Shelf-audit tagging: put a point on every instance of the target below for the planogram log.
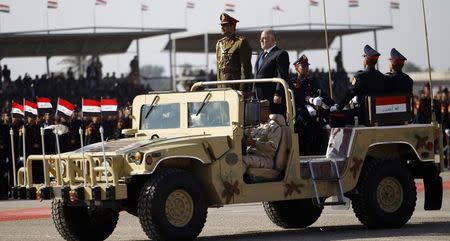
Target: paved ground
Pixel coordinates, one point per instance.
(29, 220)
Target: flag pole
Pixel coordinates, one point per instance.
(433, 115)
(349, 13)
(185, 16)
(48, 25)
(271, 18)
(24, 152)
(95, 28)
(105, 166)
(328, 49)
(142, 19)
(13, 154)
(59, 155)
(309, 15)
(80, 132)
(391, 15)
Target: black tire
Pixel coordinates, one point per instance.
(293, 213)
(153, 200)
(81, 223)
(388, 207)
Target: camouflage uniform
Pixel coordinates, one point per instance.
(267, 138)
(233, 56)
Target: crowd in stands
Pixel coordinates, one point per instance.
(93, 84)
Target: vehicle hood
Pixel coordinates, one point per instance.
(122, 146)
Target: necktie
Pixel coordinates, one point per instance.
(261, 60)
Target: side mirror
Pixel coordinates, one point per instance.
(129, 132)
(251, 113)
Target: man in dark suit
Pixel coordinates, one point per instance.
(271, 63)
(397, 81)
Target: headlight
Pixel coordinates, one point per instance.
(136, 157)
(107, 164)
(63, 168)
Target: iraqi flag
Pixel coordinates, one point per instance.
(190, 5)
(390, 104)
(313, 3)
(229, 7)
(65, 107)
(44, 105)
(90, 107)
(4, 8)
(353, 3)
(52, 4)
(17, 109)
(100, 2)
(277, 8)
(395, 5)
(109, 106)
(30, 108)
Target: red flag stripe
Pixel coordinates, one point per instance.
(390, 100)
(30, 104)
(91, 102)
(108, 102)
(66, 104)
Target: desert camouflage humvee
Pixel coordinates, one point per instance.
(185, 155)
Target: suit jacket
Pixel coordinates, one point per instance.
(275, 64)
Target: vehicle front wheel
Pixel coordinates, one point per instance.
(293, 213)
(386, 194)
(82, 223)
(172, 206)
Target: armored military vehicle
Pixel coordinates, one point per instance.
(184, 154)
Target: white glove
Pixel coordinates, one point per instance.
(309, 99)
(317, 101)
(334, 108)
(312, 112)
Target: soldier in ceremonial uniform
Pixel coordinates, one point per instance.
(262, 141)
(74, 125)
(5, 157)
(397, 81)
(233, 54)
(308, 100)
(424, 111)
(367, 82)
(32, 147)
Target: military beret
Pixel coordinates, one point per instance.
(369, 52)
(225, 18)
(264, 103)
(303, 61)
(397, 56)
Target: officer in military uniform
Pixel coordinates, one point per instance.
(233, 54)
(262, 141)
(397, 81)
(308, 100)
(367, 82)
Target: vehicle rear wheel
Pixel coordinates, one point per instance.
(172, 206)
(293, 213)
(82, 223)
(386, 194)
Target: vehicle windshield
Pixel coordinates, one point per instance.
(213, 114)
(164, 116)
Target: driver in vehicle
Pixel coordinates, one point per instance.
(262, 141)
